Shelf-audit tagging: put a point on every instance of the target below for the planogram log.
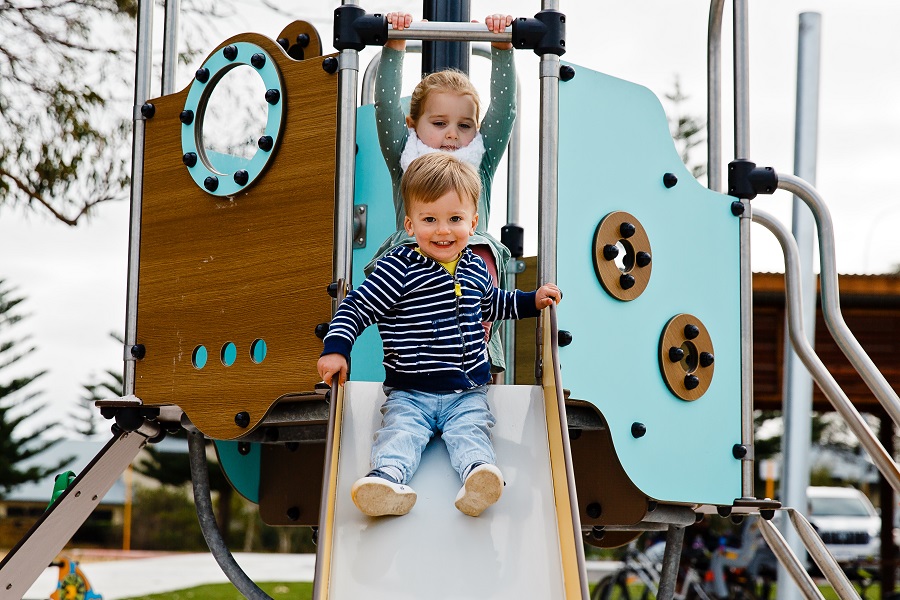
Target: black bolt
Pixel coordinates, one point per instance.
(626, 230)
(597, 532)
(594, 510)
(706, 359)
(186, 117)
(574, 434)
(211, 183)
(332, 289)
(293, 513)
(698, 517)
(669, 180)
(739, 451)
(691, 381)
(202, 75)
(564, 338)
(626, 281)
(767, 513)
(292, 446)
(258, 60)
(148, 110)
(691, 331)
(229, 52)
(737, 519)
(642, 259)
(243, 448)
(610, 251)
(330, 65)
(303, 40)
(566, 73)
(284, 43)
(241, 177)
(638, 429)
(138, 351)
(651, 505)
(273, 96)
(271, 434)
(242, 419)
(676, 354)
(189, 159)
(737, 208)
(265, 143)
(723, 511)
(321, 330)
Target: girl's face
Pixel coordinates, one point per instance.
(447, 121)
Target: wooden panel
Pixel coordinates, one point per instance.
(290, 486)
(253, 266)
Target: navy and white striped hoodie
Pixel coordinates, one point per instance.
(433, 339)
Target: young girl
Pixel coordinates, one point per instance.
(444, 116)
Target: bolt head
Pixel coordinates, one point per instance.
(303, 40)
(258, 60)
(626, 281)
(626, 230)
(739, 451)
(202, 75)
(706, 359)
(230, 52)
(593, 510)
(148, 110)
(243, 448)
(691, 381)
(211, 183)
(330, 65)
(642, 259)
(321, 330)
(638, 430)
(691, 331)
(273, 96)
(284, 43)
(242, 419)
(564, 338)
(265, 143)
(610, 251)
(186, 117)
(241, 177)
(189, 159)
(737, 208)
(669, 180)
(676, 354)
(566, 73)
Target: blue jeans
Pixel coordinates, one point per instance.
(411, 418)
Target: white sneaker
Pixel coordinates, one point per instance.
(377, 495)
(482, 488)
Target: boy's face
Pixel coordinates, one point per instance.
(447, 121)
(442, 228)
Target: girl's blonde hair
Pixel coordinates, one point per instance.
(431, 176)
(448, 81)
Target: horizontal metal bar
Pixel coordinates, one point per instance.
(462, 32)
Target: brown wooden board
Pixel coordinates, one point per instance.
(252, 266)
(290, 485)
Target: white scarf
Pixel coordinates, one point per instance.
(415, 148)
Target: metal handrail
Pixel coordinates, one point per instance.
(822, 557)
(790, 561)
(831, 309)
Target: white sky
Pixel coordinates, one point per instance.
(75, 279)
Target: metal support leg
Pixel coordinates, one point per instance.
(790, 561)
(671, 558)
(28, 559)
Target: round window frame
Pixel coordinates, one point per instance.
(198, 96)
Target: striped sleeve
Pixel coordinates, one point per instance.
(500, 304)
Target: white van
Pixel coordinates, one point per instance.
(846, 521)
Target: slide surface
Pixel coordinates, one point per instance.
(511, 551)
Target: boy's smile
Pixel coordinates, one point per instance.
(448, 121)
(442, 228)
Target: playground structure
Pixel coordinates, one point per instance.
(227, 298)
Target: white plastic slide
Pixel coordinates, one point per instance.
(513, 550)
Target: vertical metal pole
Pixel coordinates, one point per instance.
(143, 64)
(440, 55)
(714, 97)
(170, 46)
(797, 385)
(671, 558)
(513, 170)
(742, 150)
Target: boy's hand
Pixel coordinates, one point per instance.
(497, 24)
(399, 21)
(331, 365)
(545, 296)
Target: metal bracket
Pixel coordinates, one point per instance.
(514, 267)
(360, 220)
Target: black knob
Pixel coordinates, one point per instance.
(739, 451)
(638, 429)
(303, 40)
(229, 52)
(564, 338)
(691, 381)
(737, 208)
(138, 351)
(265, 143)
(610, 251)
(642, 259)
(723, 511)
(293, 513)
(594, 510)
(330, 65)
(211, 183)
(626, 230)
(669, 180)
(273, 96)
(597, 533)
(148, 110)
(258, 60)
(676, 354)
(186, 117)
(566, 73)
(706, 359)
(242, 419)
(284, 43)
(691, 331)
(332, 289)
(321, 330)
(241, 177)
(243, 448)
(202, 75)
(189, 159)
(626, 281)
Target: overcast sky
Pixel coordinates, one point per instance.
(75, 279)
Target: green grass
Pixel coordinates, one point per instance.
(225, 591)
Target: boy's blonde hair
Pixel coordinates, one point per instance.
(448, 81)
(431, 176)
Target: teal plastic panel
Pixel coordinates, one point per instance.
(615, 148)
(242, 470)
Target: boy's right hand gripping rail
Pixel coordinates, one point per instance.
(354, 30)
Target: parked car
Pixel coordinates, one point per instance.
(846, 521)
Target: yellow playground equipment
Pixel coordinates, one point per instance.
(238, 261)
